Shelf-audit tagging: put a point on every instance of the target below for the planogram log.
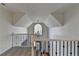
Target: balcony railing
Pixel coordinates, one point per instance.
(58, 47)
(54, 47)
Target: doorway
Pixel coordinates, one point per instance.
(38, 47)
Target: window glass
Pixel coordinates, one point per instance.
(38, 29)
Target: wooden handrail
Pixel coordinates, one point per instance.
(53, 40)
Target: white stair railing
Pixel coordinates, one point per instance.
(61, 47)
(20, 40)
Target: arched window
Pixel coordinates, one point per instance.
(38, 29)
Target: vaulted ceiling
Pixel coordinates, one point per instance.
(26, 13)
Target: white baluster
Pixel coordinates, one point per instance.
(50, 48)
(57, 48)
(76, 47)
(54, 48)
(65, 48)
(61, 48)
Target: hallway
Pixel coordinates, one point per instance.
(55, 25)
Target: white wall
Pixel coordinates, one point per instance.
(71, 28)
(5, 29)
(19, 30)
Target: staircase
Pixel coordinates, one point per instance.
(24, 43)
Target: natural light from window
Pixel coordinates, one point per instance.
(38, 29)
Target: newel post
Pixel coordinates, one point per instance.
(32, 44)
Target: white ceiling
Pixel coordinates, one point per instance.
(35, 11)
